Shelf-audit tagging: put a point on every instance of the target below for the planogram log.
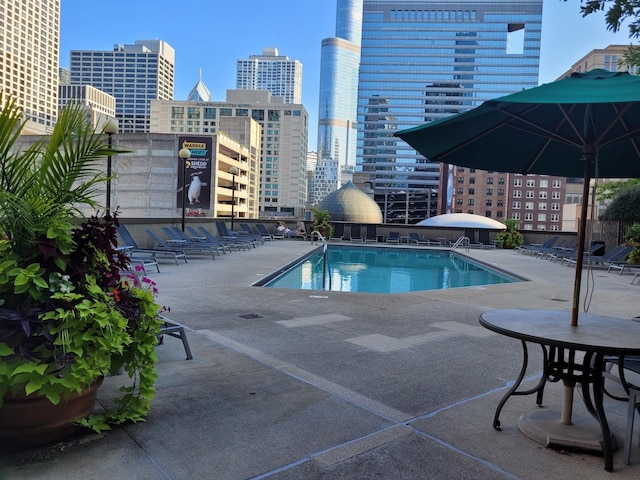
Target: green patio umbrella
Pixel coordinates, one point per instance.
(586, 125)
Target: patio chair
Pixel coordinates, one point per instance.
(175, 330)
(414, 237)
(371, 234)
(355, 235)
(144, 254)
(246, 232)
(181, 247)
(618, 370)
(393, 237)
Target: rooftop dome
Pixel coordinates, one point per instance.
(350, 204)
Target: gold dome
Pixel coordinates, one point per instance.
(350, 204)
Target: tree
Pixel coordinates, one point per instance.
(618, 12)
(625, 206)
(610, 190)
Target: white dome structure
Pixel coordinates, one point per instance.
(462, 220)
(350, 204)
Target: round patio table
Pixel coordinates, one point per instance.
(573, 355)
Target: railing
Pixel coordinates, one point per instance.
(461, 242)
(318, 236)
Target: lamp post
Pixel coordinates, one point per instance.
(110, 128)
(233, 171)
(184, 155)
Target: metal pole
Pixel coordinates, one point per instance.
(233, 199)
(184, 188)
(109, 144)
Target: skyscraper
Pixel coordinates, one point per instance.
(275, 73)
(133, 74)
(423, 60)
(29, 58)
(338, 99)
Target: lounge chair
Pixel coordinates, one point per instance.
(393, 237)
(143, 254)
(264, 233)
(371, 234)
(414, 237)
(532, 248)
(181, 247)
(246, 232)
(229, 243)
(620, 263)
(571, 258)
(355, 235)
(176, 234)
(232, 236)
(338, 232)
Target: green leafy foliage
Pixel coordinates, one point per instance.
(510, 237)
(625, 206)
(321, 222)
(67, 317)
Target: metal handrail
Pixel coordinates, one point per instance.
(319, 235)
(462, 241)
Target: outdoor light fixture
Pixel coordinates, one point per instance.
(109, 128)
(233, 171)
(184, 155)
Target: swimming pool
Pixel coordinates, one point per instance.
(384, 270)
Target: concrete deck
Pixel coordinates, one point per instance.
(289, 384)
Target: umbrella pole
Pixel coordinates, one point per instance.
(582, 227)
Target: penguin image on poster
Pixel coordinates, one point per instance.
(195, 187)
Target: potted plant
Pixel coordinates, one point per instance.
(67, 318)
(511, 237)
(321, 222)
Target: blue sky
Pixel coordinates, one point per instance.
(212, 35)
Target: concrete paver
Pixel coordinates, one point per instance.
(289, 384)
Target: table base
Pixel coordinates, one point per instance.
(545, 427)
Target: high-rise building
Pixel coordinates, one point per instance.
(283, 175)
(100, 106)
(338, 99)
(133, 74)
(200, 92)
(424, 60)
(29, 59)
(277, 74)
(606, 58)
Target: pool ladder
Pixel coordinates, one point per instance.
(461, 242)
(324, 258)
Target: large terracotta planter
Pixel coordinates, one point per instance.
(29, 421)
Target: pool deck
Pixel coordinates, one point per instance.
(290, 384)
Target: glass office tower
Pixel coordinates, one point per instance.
(337, 109)
(425, 60)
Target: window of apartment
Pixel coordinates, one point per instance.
(517, 194)
(516, 205)
(528, 205)
(501, 192)
(528, 217)
(490, 181)
(542, 217)
(530, 193)
(472, 180)
(499, 214)
(460, 169)
(528, 226)
(555, 217)
(460, 179)
(487, 213)
(458, 201)
(459, 191)
(542, 206)
(488, 202)
(515, 215)
(472, 191)
(544, 183)
(501, 181)
(531, 182)
(470, 202)
(555, 195)
(555, 228)
(517, 182)
(555, 206)
(542, 194)
(489, 191)
(556, 184)
(500, 203)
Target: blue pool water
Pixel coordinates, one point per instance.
(384, 270)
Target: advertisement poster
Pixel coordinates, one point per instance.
(197, 175)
